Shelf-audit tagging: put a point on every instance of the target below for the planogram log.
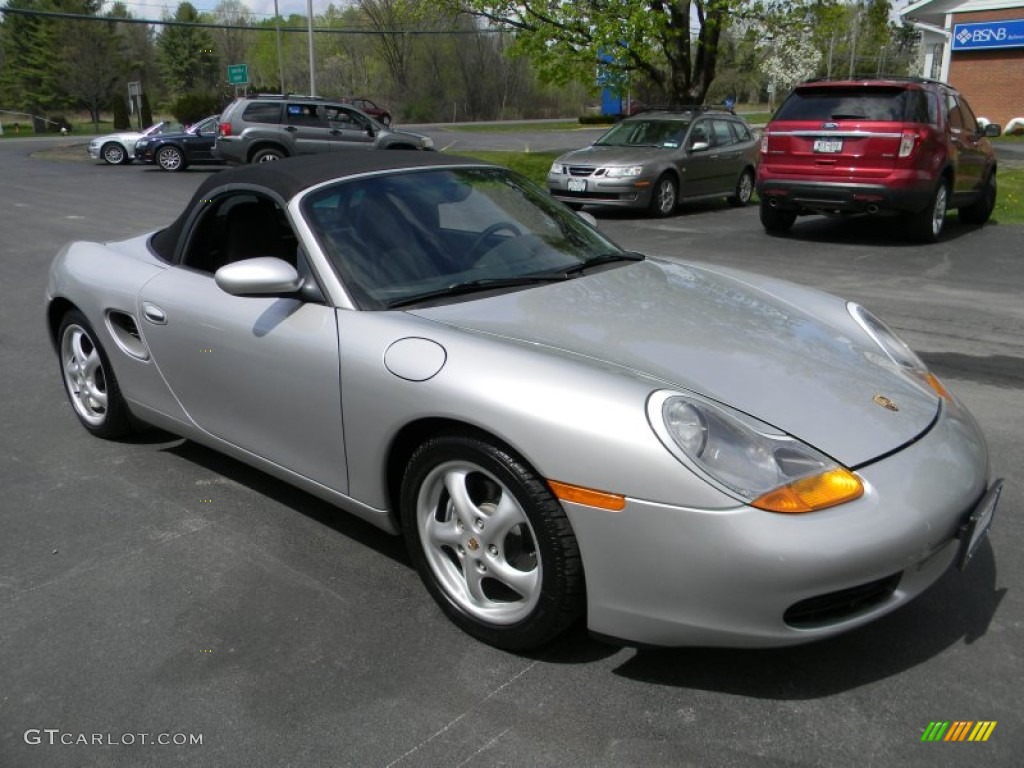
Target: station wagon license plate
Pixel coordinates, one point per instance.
(830, 146)
(577, 185)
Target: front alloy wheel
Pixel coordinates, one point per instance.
(664, 196)
(88, 379)
(114, 154)
(170, 159)
(491, 543)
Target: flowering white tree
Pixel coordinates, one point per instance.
(788, 57)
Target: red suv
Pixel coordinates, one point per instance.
(908, 147)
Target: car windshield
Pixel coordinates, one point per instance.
(645, 133)
(165, 127)
(431, 235)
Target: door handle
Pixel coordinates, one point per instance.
(153, 313)
(291, 128)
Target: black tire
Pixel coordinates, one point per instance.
(744, 189)
(981, 209)
(267, 155)
(89, 381)
(774, 220)
(664, 196)
(501, 560)
(926, 226)
(113, 153)
(170, 158)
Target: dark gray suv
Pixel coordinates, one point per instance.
(257, 129)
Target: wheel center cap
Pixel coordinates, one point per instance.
(473, 544)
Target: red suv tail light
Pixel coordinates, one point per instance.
(908, 142)
(224, 129)
(764, 142)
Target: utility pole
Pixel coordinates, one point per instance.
(312, 65)
(280, 58)
(853, 44)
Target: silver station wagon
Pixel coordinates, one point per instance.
(657, 159)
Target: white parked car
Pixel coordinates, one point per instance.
(119, 148)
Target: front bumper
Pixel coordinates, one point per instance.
(626, 192)
(671, 576)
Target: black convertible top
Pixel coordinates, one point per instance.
(286, 178)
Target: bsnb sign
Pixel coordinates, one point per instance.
(989, 34)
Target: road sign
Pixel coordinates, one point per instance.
(238, 74)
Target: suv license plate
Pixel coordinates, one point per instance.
(973, 531)
(830, 146)
(577, 185)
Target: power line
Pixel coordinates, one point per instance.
(245, 28)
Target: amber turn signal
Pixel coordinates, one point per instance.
(579, 495)
(808, 494)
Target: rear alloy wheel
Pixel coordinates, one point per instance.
(744, 190)
(981, 209)
(88, 379)
(268, 155)
(114, 154)
(664, 196)
(491, 543)
(774, 220)
(927, 225)
(170, 159)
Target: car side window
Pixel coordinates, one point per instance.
(304, 114)
(953, 116)
(262, 112)
(700, 133)
(740, 130)
(723, 136)
(969, 120)
(237, 226)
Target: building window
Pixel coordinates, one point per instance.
(936, 73)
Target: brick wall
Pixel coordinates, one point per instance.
(992, 81)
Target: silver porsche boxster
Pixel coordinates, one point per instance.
(681, 454)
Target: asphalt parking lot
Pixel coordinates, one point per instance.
(153, 588)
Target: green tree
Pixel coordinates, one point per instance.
(649, 39)
(90, 70)
(186, 54)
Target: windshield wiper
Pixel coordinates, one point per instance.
(597, 261)
(483, 284)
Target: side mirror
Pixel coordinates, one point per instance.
(992, 130)
(699, 146)
(262, 276)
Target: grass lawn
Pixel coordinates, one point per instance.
(535, 165)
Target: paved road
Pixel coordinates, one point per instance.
(152, 586)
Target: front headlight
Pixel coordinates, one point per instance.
(902, 356)
(618, 173)
(427, 143)
(141, 144)
(557, 169)
(748, 459)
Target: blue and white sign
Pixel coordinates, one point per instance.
(986, 35)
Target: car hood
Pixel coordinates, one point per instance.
(596, 155)
(127, 136)
(725, 338)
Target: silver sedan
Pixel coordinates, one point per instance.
(560, 429)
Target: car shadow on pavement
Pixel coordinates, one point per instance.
(958, 608)
(293, 498)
